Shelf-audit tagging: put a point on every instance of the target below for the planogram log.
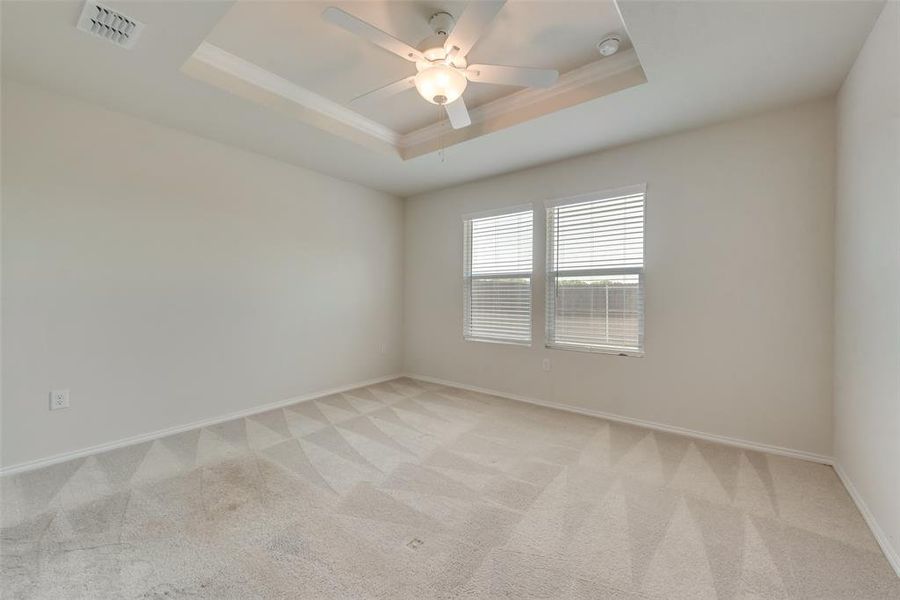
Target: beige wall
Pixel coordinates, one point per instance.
(739, 233)
(867, 279)
(163, 278)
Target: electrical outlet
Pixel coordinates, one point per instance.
(384, 348)
(59, 399)
(546, 364)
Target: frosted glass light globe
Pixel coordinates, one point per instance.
(440, 84)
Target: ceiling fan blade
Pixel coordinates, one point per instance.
(458, 114)
(475, 19)
(359, 27)
(522, 76)
(388, 90)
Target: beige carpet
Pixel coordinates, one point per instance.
(412, 490)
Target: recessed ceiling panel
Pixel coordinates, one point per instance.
(292, 40)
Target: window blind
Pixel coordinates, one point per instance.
(498, 265)
(595, 273)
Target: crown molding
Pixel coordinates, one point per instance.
(222, 69)
(574, 80)
(249, 72)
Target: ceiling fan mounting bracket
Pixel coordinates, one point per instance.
(441, 22)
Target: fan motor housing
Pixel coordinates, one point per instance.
(433, 46)
(433, 49)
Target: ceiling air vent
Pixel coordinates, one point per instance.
(106, 23)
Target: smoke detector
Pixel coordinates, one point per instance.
(111, 25)
(609, 45)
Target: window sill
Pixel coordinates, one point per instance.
(598, 350)
(501, 342)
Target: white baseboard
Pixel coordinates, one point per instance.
(160, 433)
(891, 553)
(712, 437)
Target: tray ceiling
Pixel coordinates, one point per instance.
(283, 53)
(704, 63)
(291, 40)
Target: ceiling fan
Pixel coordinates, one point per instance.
(440, 59)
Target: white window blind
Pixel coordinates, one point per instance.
(595, 273)
(498, 264)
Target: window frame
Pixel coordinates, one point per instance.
(468, 277)
(551, 275)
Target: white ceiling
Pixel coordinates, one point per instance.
(704, 61)
(291, 40)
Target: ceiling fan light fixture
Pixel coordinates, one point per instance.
(440, 84)
(441, 59)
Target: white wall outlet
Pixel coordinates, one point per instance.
(59, 399)
(384, 348)
(546, 364)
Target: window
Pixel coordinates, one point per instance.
(498, 259)
(595, 272)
